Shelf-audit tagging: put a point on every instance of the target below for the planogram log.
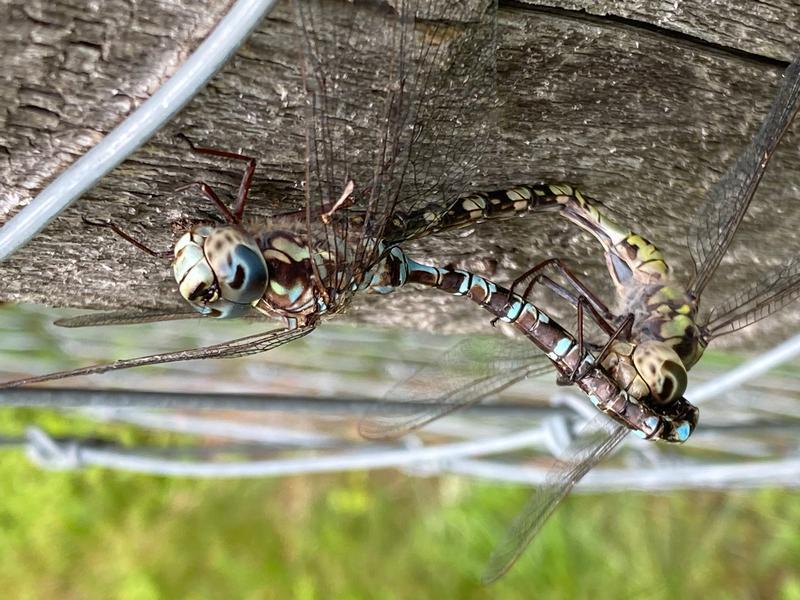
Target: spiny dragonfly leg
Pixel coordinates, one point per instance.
(326, 210)
(344, 201)
(235, 215)
(128, 238)
(623, 331)
(211, 195)
(560, 267)
(538, 276)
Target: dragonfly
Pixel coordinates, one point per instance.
(368, 154)
(657, 336)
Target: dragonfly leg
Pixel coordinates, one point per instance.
(128, 238)
(538, 276)
(558, 265)
(211, 195)
(623, 331)
(344, 201)
(235, 215)
(326, 211)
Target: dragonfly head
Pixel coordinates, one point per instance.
(220, 270)
(662, 370)
(653, 377)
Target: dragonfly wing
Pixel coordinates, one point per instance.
(717, 219)
(467, 373)
(138, 316)
(757, 301)
(344, 44)
(126, 317)
(560, 481)
(253, 344)
(449, 144)
(419, 69)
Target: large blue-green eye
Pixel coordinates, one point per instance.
(243, 278)
(220, 272)
(238, 265)
(222, 309)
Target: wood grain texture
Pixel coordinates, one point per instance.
(73, 70)
(768, 29)
(642, 110)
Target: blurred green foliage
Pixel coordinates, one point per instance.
(103, 534)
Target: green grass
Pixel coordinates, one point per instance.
(105, 534)
(101, 534)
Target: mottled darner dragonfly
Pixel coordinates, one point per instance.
(311, 263)
(406, 139)
(656, 337)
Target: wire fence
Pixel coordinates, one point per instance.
(748, 436)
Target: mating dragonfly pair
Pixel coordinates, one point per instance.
(306, 266)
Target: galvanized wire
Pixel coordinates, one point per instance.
(756, 430)
(231, 31)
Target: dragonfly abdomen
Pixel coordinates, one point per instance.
(632, 259)
(675, 423)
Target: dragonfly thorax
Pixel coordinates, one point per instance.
(649, 371)
(220, 271)
(297, 272)
(666, 313)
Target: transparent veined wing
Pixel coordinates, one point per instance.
(456, 107)
(718, 218)
(467, 373)
(138, 316)
(127, 317)
(755, 302)
(587, 452)
(370, 151)
(252, 344)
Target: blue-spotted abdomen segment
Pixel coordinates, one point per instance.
(669, 429)
(682, 431)
(561, 348)
(391, 272)
(514, 308)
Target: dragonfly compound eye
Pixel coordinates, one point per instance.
(220, 272)
(662, 370)
(195, 278)
(238, 265)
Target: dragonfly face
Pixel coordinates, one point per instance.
(662, 370)
(220, 270)
(649, 371)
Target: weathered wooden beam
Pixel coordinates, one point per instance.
(641, 103)
(765, 29)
